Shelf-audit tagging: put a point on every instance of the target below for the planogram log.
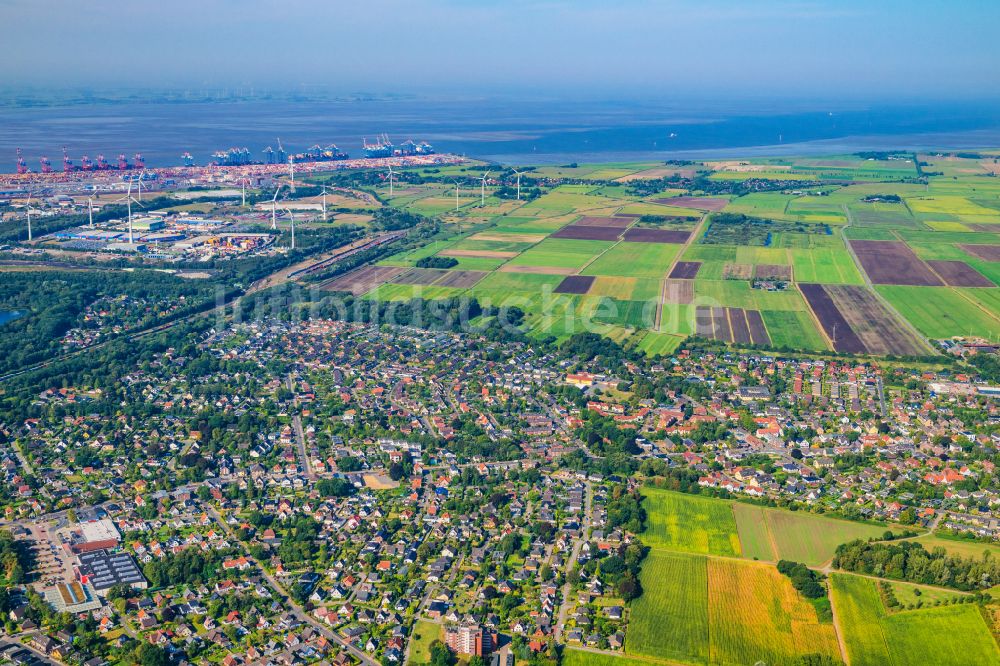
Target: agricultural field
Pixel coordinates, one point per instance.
(945, 635)
(703, 610)
(689, 523)
(869, 264)
(775, 534)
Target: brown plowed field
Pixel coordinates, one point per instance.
(588, 233)
(737, 271)
(832, 320)
(618, 222)
(758, 332)
(462, 279)
(986, 252)
(738, 322)
(893, 262)
(575, 284)
(698, 203)
(363, 279)
(775, 271)
(646, 235)
(685, 270)
(680, 292)
(959, 274)
(420, 276)
(879, 330)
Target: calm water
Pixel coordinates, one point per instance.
(8, 316)
(509, 131)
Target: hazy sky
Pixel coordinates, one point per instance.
(834, 48)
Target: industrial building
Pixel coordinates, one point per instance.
(94, 535)
(103, 569)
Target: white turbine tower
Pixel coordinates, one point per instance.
(128, 199)
(324, 202)
(457, 185)
(391, 174)
(291, 171)
(291, 216)
(139, 182)
(274, 207)
(90, 210)
(243, 182)
(518, 182)
(27, 211)
(482, 191)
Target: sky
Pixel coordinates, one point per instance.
(872, 49)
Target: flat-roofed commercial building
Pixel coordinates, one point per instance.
(103, 570)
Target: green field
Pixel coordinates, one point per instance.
(825, 265)
(689, 523)
(561, 253)
(701, 610)
(670, 619)
(940, 312)
(775, 534)
(942, 635)
(424, 633)
(808, 231)
(649, 260)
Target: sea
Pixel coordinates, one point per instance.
(505, 130)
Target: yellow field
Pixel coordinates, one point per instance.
(756, 615)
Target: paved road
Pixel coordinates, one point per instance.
(300, 436)
(295, 608)
(574, 555)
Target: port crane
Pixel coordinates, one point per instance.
(22, 166)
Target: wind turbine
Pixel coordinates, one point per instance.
(243, 182)
(291, 171)
(90, 209)
(324, 202)
(391, 174)
(274, 207)
(291, 216)
(457, 184)
(128, 199)
(518, 182)
(139, 182)
(27, 210)
(482, 191)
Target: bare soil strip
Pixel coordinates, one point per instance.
(646, 235)
(420, 276)
(773, 272)
(685, 270)
(364, 279)
(738, 322)
(985, 252)
(959, 274)
(462, 279)
(838, 330)
(893, 262)
(879, 331)
(758, 332)
(679, 292)
(575, 284)
(588, 233)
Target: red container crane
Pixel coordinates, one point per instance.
(46, 164)
(22, 166)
